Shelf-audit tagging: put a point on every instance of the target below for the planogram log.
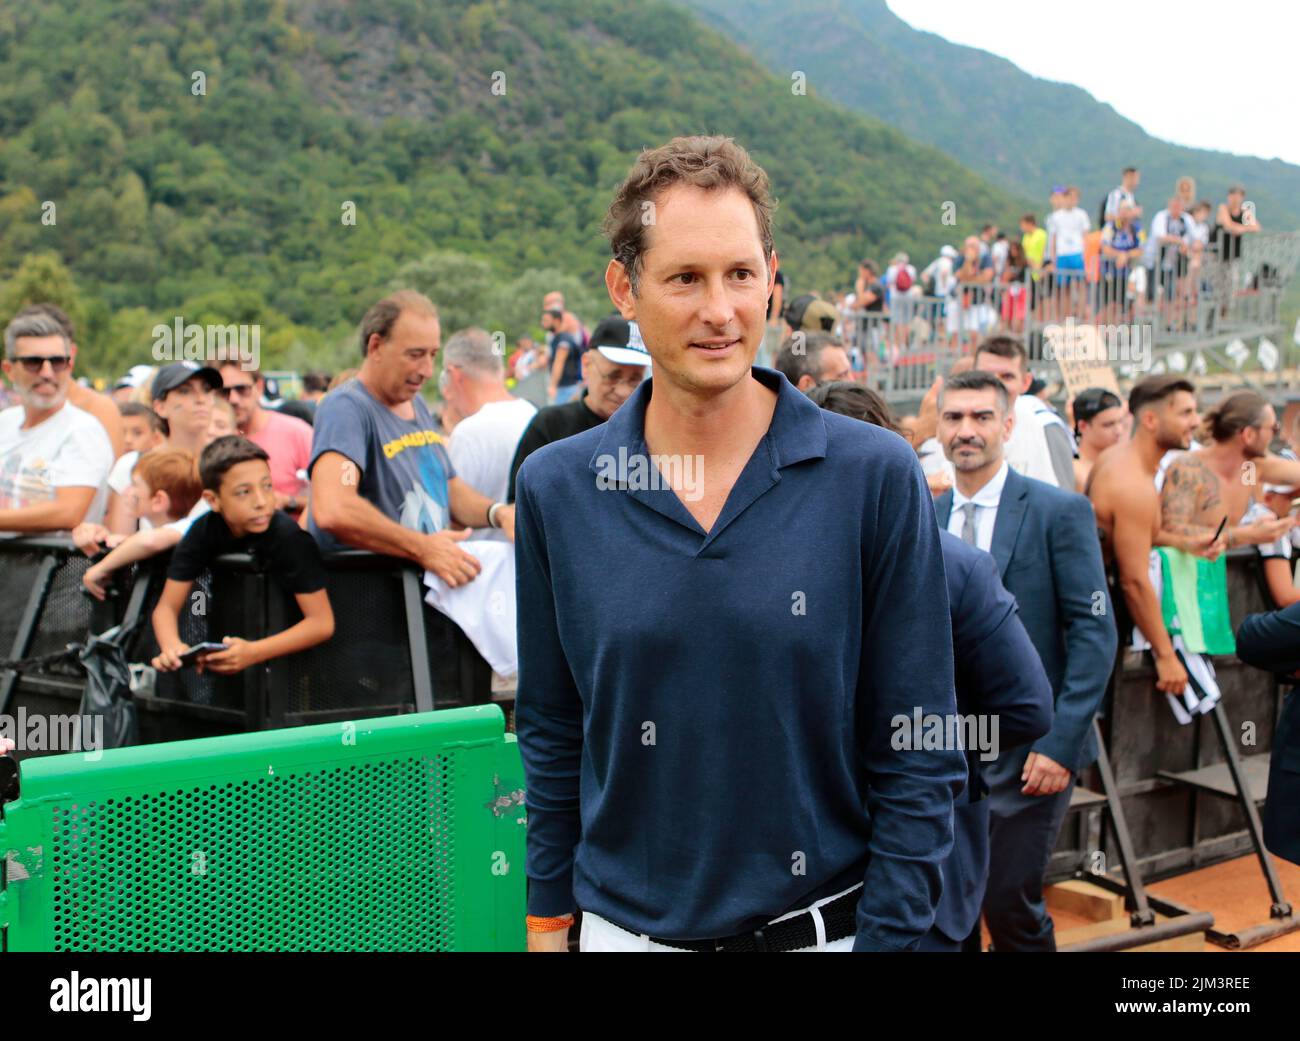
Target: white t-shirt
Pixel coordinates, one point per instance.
(1067, 228)
(69, 450)
(482, 447)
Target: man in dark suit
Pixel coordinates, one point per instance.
(1044, 542)
(997, 674)
(1272, 641)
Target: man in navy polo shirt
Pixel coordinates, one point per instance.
(730, 611)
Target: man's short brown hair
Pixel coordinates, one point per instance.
(1004, 347)
(1154, 389)
(705, 162)
(383, 314)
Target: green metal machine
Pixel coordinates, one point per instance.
(404, 833)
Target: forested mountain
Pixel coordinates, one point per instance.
(200, 159)
(1021, 132)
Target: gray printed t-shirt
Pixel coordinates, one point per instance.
(404, 463)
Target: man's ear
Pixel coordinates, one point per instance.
(210, 497)
(161, 503)
(1010, 420)
(773, 265)
(1027, 379)
(805, 384)
(620, 289)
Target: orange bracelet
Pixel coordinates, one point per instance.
(548, 925)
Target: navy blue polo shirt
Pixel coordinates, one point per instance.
(708, 720)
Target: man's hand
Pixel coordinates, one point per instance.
(238, 655)
(1171, 677)
(94, 580)
(1043, 776)
(90, 538)
(1263, 531)
(1207, 545)
(556, 942)
(448, 561)
(169, 660)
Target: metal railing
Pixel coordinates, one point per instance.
(1191, 305)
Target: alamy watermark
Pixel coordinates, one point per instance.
(1083, 342)
(189, 341)
(929, 731)
(644, 473)
(42, 732)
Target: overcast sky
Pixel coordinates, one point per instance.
(1158, 63)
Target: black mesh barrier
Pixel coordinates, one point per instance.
(364, 669)
(390, 652)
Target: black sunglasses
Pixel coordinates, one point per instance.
(33, 363)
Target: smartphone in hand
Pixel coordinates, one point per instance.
(198, 651)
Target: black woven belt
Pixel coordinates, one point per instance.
(793, 934)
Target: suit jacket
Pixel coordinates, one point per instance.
(1046, 550)
(1272, 641)
(998, 674)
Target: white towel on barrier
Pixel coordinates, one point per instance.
(485, 607)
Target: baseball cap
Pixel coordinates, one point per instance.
(808, 314)
(620, 341)
(949, 252)
(172, 376)
(1089, 403)
(138, 375)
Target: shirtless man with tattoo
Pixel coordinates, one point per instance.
(1122, 487)
(1202, 487)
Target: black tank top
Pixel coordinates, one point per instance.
(1228, 244)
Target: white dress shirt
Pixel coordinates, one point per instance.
(986, 509)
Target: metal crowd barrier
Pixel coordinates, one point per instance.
(396, 834)
(390, 652)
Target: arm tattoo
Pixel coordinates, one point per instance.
(1190, 490)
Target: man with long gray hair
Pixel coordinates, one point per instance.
(54, 457)
(483, 444)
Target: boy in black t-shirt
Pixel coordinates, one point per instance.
(236, 480)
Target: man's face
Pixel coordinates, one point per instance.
(1132, 179)
(243, 392)
(33, 373)
(1175, 207)
(972, 428)
(1104, 429)
(246, 499)
(138, 434)
(1007, 370)
(1176, 420)
(835, 365)
(703, 289)
(403, 363)
(608, 384)
(1255, 440)
(187, 408)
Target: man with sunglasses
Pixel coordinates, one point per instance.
(286, 440)
(612, 368)
(54, 457)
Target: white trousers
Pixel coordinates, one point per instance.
(600, 934)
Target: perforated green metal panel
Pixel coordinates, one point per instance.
(403, 833)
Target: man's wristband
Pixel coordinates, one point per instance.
(548, 925)
(491, 514)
